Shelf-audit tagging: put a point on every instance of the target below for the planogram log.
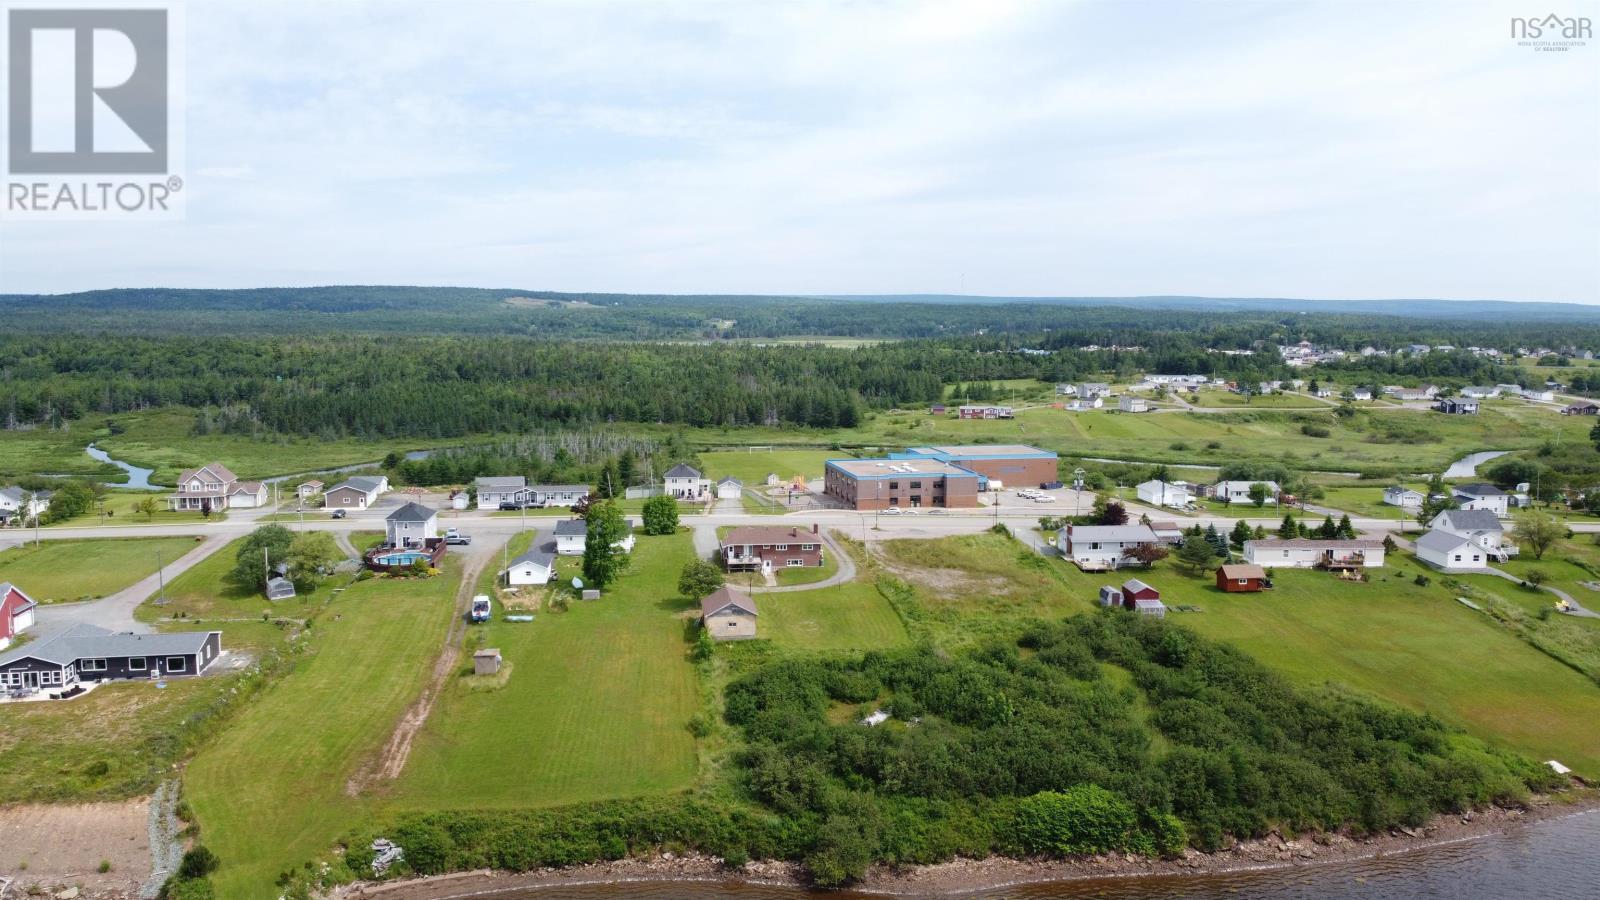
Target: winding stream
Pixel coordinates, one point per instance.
(138, 479)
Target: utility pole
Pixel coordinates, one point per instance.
(161, 577)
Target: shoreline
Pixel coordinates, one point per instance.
(964, 876)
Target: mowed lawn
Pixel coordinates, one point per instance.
(1411, 645)
(852, 616)
(597, 704)
(753, 467)
(269, 792)
(57, 571)
(204, 592)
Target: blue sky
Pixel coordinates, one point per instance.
(1345, 149)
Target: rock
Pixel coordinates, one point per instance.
(70, 893)
(1306, 854)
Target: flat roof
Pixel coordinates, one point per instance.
(899, 468)
(979, 451)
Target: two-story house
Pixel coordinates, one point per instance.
(215, 488)
(768, 547)
(686, 483)
(23, 506)
(1095, 548)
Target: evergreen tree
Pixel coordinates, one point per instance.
(1241, 533)
(1196, 553)
(1288, 530)
(1347, 529)
(603, 561)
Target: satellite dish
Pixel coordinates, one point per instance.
(577, 583)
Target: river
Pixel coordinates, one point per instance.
(138, 479)
(1555, 859)
(1467, 466)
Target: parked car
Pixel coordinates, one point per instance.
(892, 511)
(508, 505)
(459, 540)
(338, 514)
(1053, 486)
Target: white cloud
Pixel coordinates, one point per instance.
(1290, 149)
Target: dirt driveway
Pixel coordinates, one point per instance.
(63, 846)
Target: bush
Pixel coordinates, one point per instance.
(177, 888)
(1084, 819)
(1316, 431)
(660, 515)
(1422, 580)
(428, 847)
(198, 863)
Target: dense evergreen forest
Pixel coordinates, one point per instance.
(447, 362)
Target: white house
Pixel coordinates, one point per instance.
(730, 489)
(1480, 392)
(557, 494)
(215, 488)
(1480, 526)
(1133, 404)
(1548, 396)
(1451, 552)
(1066, 390)
(1308, 553)
(573, 534)
(1361, 393)
(11, 504)
(1093, 389)
(686, 483)
(356, 492)
(1098, 547)
(493, 491)
(1238, 492)
(411, 525)
(533, 567)
(309, 488)
(1081, 405)
(1165, 493)
(1403, 497)
(1478, 495)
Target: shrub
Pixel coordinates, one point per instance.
(427, 847)
(1084, 819)
(1316, 431)
(1422, 580)
(198, 863)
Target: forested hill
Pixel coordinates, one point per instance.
(582, 316)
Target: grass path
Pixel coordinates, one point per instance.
(269, 793)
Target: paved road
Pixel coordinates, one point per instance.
(1577, 609)
(116, 611)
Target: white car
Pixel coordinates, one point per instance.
(892, 511)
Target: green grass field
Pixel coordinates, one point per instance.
(119, 509)
(853, 616)
(269, 793)
(58, 571)
(596, 706)
(753, 466)
(204, 593)
(1256, 401)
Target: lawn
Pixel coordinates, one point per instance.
(269, 793)
(596, 706)
(1256, 401)
(57, 571)
(119, 509)
(852, 616)
(204, 593)
(753, 466)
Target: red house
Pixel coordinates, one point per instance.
(767, 547)
(16, 612)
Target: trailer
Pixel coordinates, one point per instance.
(480, 609)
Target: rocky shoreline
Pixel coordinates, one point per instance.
(964, 875)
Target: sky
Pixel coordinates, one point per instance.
(1285, 149)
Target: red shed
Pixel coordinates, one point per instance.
(1241, 578)
(1133, 589)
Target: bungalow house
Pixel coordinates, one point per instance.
(1081, 405)
(12, 504)
(1133, 404)
(1360, 393)
(1480, 392)
(1310, 553)
(1586, 408)
(412, 525)
(1066, 390)
(1422, 393)
(309, 488)
(1165, 493)
(534, 567)
(497, 490)
(985, 411)
(573, 534)
(729, 615)
(1095, 548)
(686, 483)
(1167, 532)
(1480, 526)
(1544, 395)
(1403, 497)
(1451, 552)
(215, 488)
(937, 409)
(1089, 389)
(89, 653)
(1238, 492)
(356, 492)
(16, 613)
(557, 494)
(1241, 578)
(768, 547)
(1509, 389)
(1455, 407)
(1478, 495)
(730, 489)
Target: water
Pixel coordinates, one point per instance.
(1557, 859)
(1467, 466)
(138, 479)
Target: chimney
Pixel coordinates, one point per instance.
(813, 528)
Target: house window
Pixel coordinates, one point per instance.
(1458, 557)
(808, 546)
(794, 563)
(781, 547)
(177, 664)
(92, 665)
(894, 485)
(916, 484)
(138, 664)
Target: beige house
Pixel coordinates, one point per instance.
(729, 615)
(215, 488)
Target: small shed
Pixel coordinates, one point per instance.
(1110, 596)
(729, 615)
(1134, 589)
(1149, 607)
(1241, 578)
(486, 662)
(280, 588)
